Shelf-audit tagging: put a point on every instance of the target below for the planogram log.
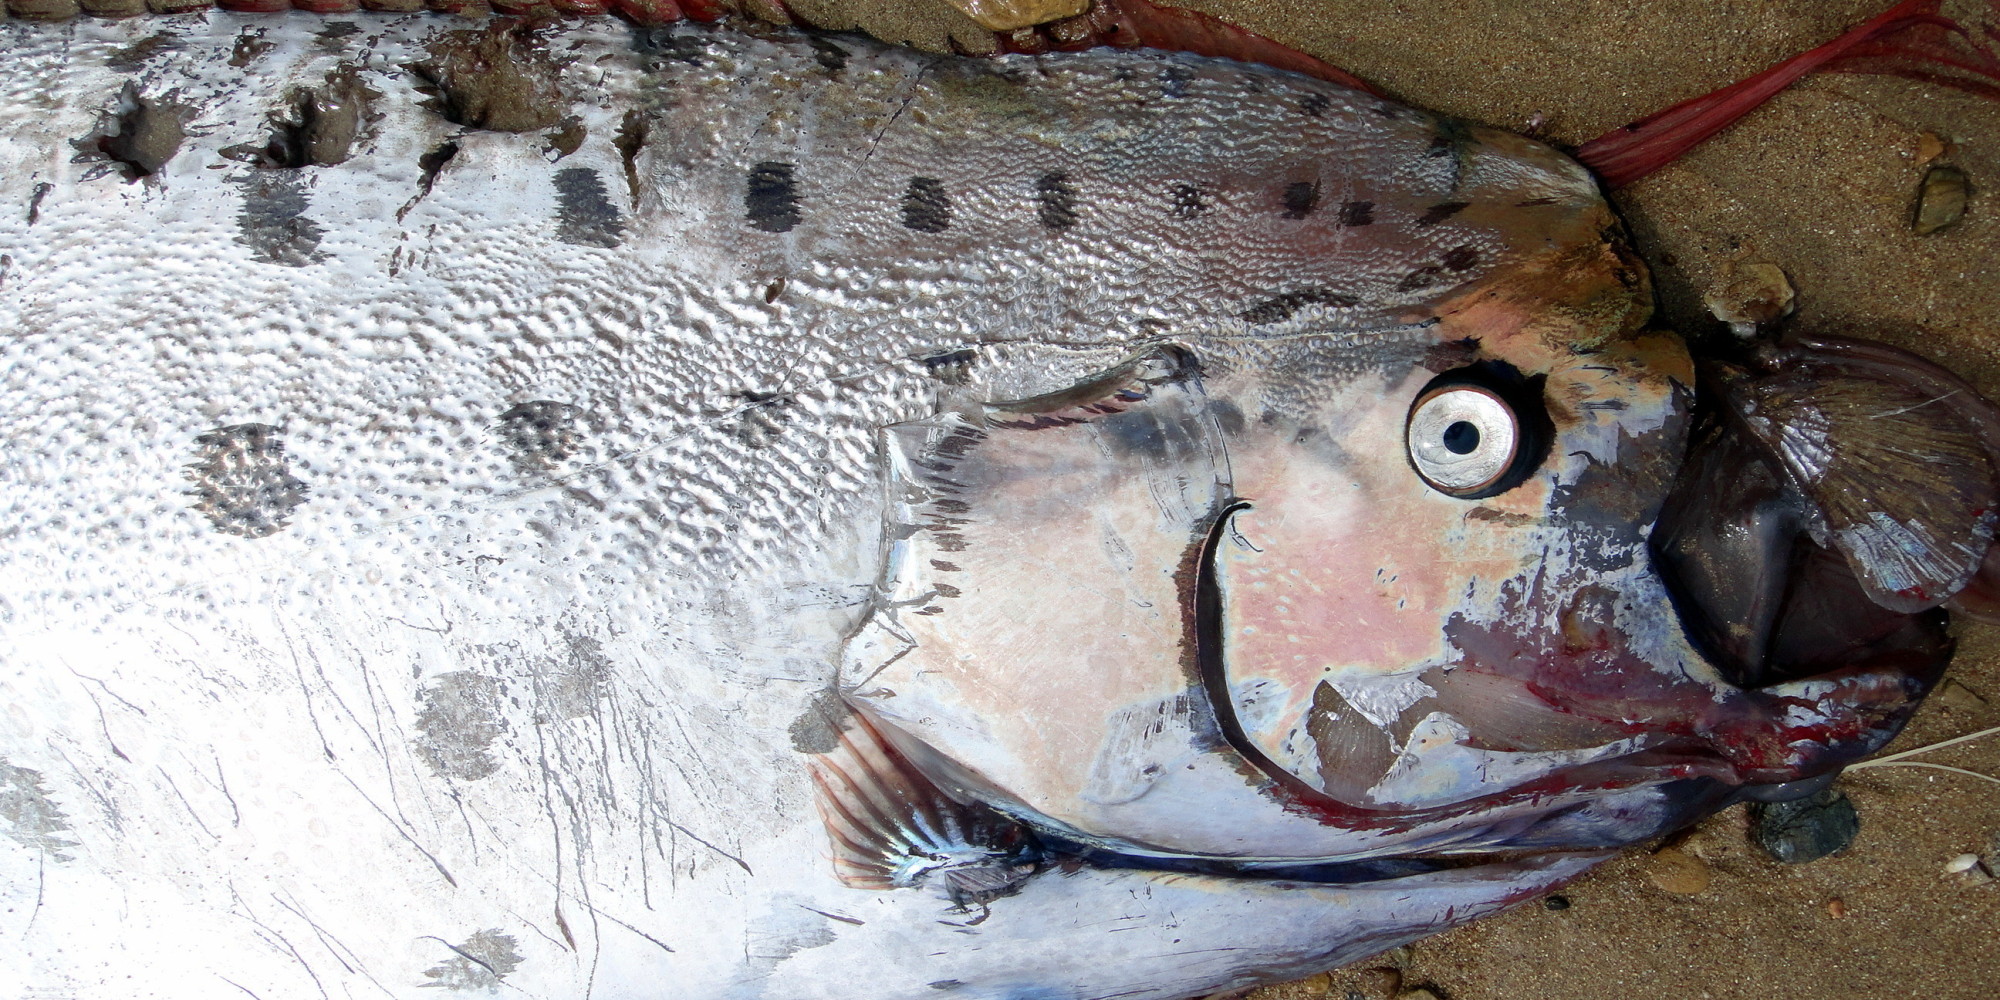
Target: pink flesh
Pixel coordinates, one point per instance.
(1910, 39)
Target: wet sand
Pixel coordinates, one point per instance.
(1820, 182)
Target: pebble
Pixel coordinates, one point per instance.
(1556, 903)
(1678, 872)
(1752, 294)
(1962, 863)
(1382, 982)
(1804, 829)
(1941, 199)
(1836, 908)
(1929, 147)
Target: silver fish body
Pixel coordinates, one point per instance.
(443, 556)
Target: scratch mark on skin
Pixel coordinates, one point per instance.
(341, 952)
(104, 723)
(189, 806)
(276, 940)
(103, 800)
(856, 921)
(107, 690)
(239, 986)
(220, 784)
(662, 944)
(690, 835)
(41, 884)
(432, 858)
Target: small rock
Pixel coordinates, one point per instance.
(1556, 903)
(1678, 872)
(1752, 294)
(1929, 147)
(1941, 199)
(1958, 697)
(1804, 829)
(1962, 863)
(1381, 982)
(1836, 908)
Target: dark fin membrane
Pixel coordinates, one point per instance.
(1910, 40)
(893, 828)
(1141, 24)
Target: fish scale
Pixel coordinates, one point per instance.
(444, 562)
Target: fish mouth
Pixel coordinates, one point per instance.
(1837, 496)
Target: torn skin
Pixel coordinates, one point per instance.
(1910, 39)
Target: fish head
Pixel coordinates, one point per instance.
(1513, 572)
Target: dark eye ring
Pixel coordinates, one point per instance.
(1470, 436)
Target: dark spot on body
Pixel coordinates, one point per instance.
(631, 138)
(429, 166)
(140, 134)
(272, 222)
(1315, 105)
(242, 482)
(331, 33)
(945, 984)
(566, 139)
(1357, 213)
(926, 206)
(951, 367)
(459, 721)
(771, 197)
(318, 126)
(1189, 201)
(540, 434)
(1385, 111)
(1055, 201)
(831, 57)
(250, 45)
(134, 57)
(35, 201)
(1228, 416)
(1460, 258)
(1422, 277)
(499, 77)
(1174, 80)
(33, 818)
(764, 419)
(671, 43)
(818, 729)
(479, 962)
(773, 290)
(1301, 197)
(585, 214)
(1280, 308)
(1441, 211)
(1451, 355)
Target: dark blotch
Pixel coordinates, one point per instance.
(540, 434)
(926, 206)
(1441, 211)
(566, 139)
(951, 367)
(479, 962)
(1315, 105)
(140, 134)
(1280, 308)
(818, 729)
(1189, 201)
(771, 197)
(1422, 277)
(35, 201)
(1804, 829)
(1460, 258)
(672, 44)
(429, 166)
(134, 57)
(1055, 201)
(831, 57)
(585, 215)
(1174, 80)
(631, 138)
(459, 721)
(272, 222)
(499, 78)
(242, 483)
(1301, 197)
(1357, 213)
(1555, 903)
(318, 126)
(250, 45)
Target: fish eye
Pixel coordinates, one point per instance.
(1468, 439)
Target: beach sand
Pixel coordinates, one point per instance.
(1821, 183)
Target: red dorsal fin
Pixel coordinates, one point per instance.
(1910, 39)
(1141, 24)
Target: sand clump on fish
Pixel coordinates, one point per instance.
(1099, 523)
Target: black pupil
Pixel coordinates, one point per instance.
(1461, 438)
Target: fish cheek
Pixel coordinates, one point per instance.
(1336, 583)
